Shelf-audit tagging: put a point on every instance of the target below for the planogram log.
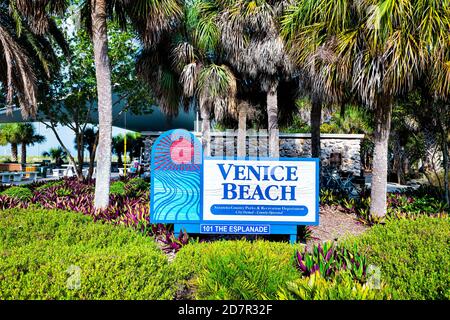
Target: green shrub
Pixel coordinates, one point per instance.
(414, 256)
(235, 269)
(342, 287)
(136, 185)
(50, 185)
(117, 188)
(20, 193)
(42, 253)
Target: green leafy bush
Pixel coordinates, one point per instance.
(235, 269)
(44, 253)
(20, 193)
(50, 184)
(342, 287)
(117, 188)
(414, 256)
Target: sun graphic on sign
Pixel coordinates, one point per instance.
(182, 151)
(177, 152)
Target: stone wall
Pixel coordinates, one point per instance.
(348, 145)
(292, 145)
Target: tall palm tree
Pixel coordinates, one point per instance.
(379, 49)
(104, 91)
(27, 136)
(151, 19)
(10, 133)
(308, 35)
(188, 73)
(118, 147)
(248, 33)
(57, 154)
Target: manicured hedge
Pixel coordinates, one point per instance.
(41, 252)
(243, 270)
(20, 193)
(235, 269)
(414, 256)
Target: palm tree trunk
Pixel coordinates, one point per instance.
(316, 118)
(80, 156)
(430, 147)
(446, 167)
(103, 76)
(14, 152)
(380, 158)
(59, 161)
(23, 155)
(242, 131)
(206, 127)
(272, 116)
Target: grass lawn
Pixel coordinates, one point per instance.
(43, 253)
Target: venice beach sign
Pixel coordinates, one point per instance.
(229, 195)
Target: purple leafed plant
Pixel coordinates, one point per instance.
(329, 259)
(131, 210)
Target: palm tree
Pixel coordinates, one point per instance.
(187, 73)
(353, 120)
(9, 133)
(151, 19)
(27, 136)
(27, 59)
(57, 154)
(307, 32)
(248, 33)
(379, 49)
(118, 147)
(90, 139)
(134, 144)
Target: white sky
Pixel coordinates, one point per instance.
(65, 133)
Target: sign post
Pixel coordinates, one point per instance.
(230, 195)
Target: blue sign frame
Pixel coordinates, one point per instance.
(195, 225)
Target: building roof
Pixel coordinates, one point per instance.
(154, 121)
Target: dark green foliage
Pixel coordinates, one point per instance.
(50, 184)
(129, 205)
(409, 205)
(135, 186)
(42, 251)
(20, 193)
(117, 188)
(414, 256)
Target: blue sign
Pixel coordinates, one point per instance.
(229, 195)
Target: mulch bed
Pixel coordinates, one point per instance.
(334, 224)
